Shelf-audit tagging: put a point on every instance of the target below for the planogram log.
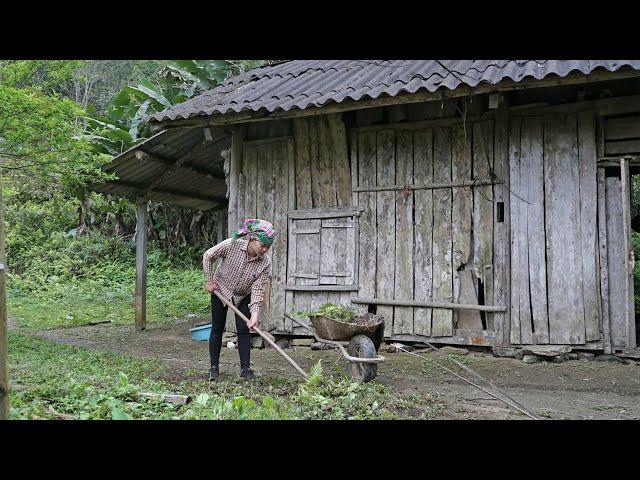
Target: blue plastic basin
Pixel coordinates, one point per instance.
(201, 333)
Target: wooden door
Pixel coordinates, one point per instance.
(554, 275)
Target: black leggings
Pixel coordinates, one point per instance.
(218, 320)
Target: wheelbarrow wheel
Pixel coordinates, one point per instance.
(361, 346)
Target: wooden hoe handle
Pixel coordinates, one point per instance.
(261, 333)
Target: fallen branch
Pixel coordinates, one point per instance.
(166, 397)
(64, 416)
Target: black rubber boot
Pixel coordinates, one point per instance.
(214, 372)
(247, 373)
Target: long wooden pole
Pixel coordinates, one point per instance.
(262, 334)
(4, 343)
(141, 264)
(430, 186)
(454, 306)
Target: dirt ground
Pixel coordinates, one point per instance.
(575, 389)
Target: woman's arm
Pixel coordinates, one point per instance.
(257, 296)
(218, 251)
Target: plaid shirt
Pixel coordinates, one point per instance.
(238, 275)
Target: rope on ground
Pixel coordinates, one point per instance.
(511, 404)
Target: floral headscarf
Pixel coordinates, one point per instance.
(262, 229)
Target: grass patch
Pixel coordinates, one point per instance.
(48, 380)
(58, 303)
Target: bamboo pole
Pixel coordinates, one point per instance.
(264, 336)
(4, 347)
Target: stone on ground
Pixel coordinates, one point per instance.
(585, 356)
(527, 358)
(546, 350)
(455, 350)
(301, 342)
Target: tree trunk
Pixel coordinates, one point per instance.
(4, 349)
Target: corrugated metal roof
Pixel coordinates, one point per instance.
(198, 184)
(312, 83)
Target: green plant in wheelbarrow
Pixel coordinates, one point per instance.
(339, 323)
(340, 313)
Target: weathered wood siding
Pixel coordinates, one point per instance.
(420, 243)
(322, 175)
(263, 185)
(554, 276)
(619, 295)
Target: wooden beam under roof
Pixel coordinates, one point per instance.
(140, 187)
(153, 157)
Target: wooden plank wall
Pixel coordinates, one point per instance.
(263, 187)
(425, 240)
(323, 180)
(403, 281)
(462, 214)
(554, 257)
(442, 286)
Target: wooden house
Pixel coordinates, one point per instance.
(480, 202)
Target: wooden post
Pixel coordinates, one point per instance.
(234, 171)
(4, 349)
(604, 262)
(628, 260)
(141, 264)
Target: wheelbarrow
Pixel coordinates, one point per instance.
(364, 337)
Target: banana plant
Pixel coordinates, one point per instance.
(124, 124)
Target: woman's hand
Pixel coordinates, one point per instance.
(253, 321)
(211, 286)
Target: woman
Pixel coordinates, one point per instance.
(240, 277)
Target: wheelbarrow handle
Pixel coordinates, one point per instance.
(261, 333)
(307, 327)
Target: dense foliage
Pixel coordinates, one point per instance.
(67, 247)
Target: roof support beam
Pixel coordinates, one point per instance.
(140, 188)
(144, 155)
(172, 166)
(421, 96)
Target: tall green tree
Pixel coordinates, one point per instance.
(42, 141)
